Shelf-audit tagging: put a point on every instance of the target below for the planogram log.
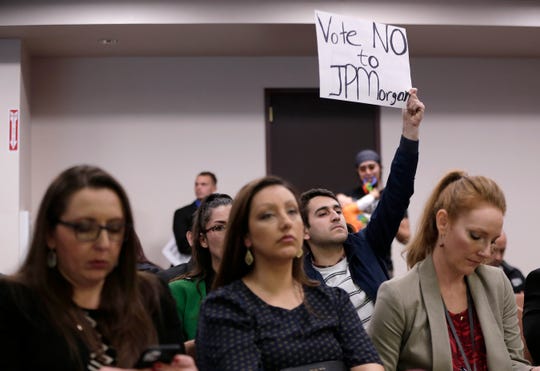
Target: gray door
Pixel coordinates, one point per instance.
(312, 141)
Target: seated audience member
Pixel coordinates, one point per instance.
(78, 301)
(355, 261)
(205, 184)
(169, 274)
(367, 194)
(359, 204)
(451, 311)
(357, 213)
(143, 263)
(177, 270)
(189, 290)
(263, 312)
(497, 260)
(531, 315)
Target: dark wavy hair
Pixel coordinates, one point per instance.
(233, 267)
(307, 196)
(128, 298)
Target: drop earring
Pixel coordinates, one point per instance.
(441, 244)
(300, 253)
(51, 258)
(249, 257)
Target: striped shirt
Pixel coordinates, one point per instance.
(339, 275)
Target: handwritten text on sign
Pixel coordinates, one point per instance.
(362, 61)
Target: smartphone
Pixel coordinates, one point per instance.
(163, 353)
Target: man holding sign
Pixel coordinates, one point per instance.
(362, 61)
(354, 261)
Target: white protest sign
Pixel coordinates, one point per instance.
(361, 61)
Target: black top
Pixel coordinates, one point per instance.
(28, 341)
(168, 274)
(517, 279)
(182, 222)
(531, 315)
(239, 331)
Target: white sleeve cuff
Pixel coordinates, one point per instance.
(365, 202)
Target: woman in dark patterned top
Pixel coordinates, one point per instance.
(78, 302)
(264, 313)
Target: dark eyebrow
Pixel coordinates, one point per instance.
(334, 206)
(322, 208)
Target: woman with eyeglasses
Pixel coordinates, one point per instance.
(78, 302)
(208, 231)
(264, 313)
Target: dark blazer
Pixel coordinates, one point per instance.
(409, 327)
(182, 221)
(531, 315)
(517, 279)
(366, 249)
(166, 275)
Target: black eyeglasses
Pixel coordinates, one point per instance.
(89, 230)
(216, 228)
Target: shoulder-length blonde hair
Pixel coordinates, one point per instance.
(457, 193)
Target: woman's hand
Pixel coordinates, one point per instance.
(181, 362)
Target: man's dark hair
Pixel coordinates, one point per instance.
(210, 174)
(307, 196)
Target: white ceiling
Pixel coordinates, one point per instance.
(59, 28)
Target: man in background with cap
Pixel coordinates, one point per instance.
(359, 204)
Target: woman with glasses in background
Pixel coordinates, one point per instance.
(208, 231)
(78, 302)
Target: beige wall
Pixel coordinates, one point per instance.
(14, 165)
(156, 122)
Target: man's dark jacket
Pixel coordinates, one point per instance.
(182, 221)
(365, 250)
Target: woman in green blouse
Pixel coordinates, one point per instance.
(208, 231)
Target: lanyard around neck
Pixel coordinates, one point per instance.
(471, 327)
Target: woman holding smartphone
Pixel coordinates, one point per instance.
(78, 302)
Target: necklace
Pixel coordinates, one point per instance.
(103, 354)
(328, 266)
